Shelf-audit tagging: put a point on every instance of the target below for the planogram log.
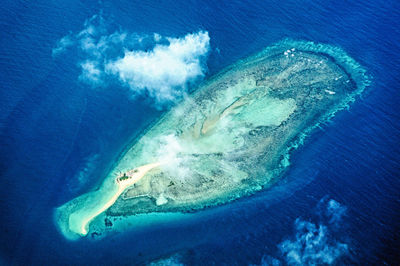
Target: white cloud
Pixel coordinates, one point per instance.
(174, 260)
(335, 211)
(314, 243)
(170, 154)
(94, 26)
(164, 71)
(91, 72)
(62, 45)
(268, 261)
(157, 37)
(161, 66)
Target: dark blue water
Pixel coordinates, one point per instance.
(53, 127)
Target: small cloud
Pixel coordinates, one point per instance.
(94, 26)
(62, 45)
(331, 211)
(268, 261)
(314, 243)
(91, 73)
(157, 37)
(335, 211)
(164, 71)
(169, 150)
(174, 260)
(160, 66)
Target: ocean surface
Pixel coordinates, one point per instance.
(338, 204)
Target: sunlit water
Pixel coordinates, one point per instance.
(60, 136)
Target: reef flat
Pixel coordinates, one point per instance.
(230, 138)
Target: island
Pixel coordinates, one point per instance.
(230, 138)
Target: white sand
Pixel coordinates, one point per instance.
(135, 175)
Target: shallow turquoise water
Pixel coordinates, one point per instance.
(58, 136)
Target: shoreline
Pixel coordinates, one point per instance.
(138, 174)
(81, 206)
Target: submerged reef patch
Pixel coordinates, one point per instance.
(230, 138)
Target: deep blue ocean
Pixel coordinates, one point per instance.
(58, 136)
